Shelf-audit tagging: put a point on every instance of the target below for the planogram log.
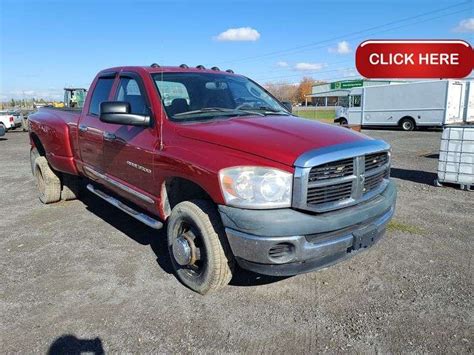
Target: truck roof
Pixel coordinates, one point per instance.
(155, 68)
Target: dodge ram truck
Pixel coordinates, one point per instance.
(232, 174)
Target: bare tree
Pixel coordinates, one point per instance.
(283, 91)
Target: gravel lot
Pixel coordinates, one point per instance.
(82, 275)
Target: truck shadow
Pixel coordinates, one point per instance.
(417, 176)
(245, 278)
(70, 344)
(132, 228)
(156, 239)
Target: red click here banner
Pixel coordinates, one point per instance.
(410, 59)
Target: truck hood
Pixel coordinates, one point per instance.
(278, 138)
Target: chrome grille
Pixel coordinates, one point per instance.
(332, 170)
(323, 183)
(374, 181)
(374, 161)
(332, 193)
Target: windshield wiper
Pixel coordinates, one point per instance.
(272, 110)
(227, 111)
(266, 109)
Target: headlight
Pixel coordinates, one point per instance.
(256, 187)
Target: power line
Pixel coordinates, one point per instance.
(317, 80)
(386, 30)
(299, 48)
(307, 73)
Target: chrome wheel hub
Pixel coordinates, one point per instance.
(182, 251)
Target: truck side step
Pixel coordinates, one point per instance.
(150, 222)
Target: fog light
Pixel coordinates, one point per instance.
(282, 252)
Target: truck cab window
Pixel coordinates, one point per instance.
(101, 93)
(129, 91)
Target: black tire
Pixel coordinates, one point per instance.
(71, 187)
(33, 155)
(48, 183)
(211, 261)
(343, 122)
(407, 124)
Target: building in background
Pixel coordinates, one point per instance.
(336, 93)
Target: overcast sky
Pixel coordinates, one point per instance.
(46, 45)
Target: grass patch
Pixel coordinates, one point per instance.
(320, 115)
(397, 226)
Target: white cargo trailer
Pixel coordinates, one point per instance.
(408, 105)
(469, 116)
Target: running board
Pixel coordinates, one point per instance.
(150, 222)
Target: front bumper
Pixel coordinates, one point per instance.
(287, 242)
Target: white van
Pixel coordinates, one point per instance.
(407, 105)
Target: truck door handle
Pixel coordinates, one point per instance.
(109, 136)
(83, 128)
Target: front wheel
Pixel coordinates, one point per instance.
(198, 247)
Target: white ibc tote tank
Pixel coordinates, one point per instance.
(456, 156)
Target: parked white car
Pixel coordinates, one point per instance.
(10, 120)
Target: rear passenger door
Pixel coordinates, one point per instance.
(91, 129)
(129, 150)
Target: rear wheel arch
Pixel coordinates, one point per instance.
(38, 145)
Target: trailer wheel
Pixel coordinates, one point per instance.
(407, 124)
(198, 246)
(48, 183)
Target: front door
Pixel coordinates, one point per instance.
(91, 128)
(354, 113)
(129, 150)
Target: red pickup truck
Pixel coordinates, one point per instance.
(233, 174)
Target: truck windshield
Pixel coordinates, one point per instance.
(203, 96)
